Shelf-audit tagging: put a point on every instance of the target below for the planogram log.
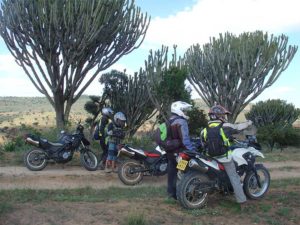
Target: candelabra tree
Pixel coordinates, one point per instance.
(62, 45)
(166, 81)
(128, 94)
(274, 119)
(234, 70)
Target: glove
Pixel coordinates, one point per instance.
(249, 122)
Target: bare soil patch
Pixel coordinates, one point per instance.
(61, 177)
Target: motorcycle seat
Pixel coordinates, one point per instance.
(55, 144)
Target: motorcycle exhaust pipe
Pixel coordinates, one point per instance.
(195, 165)
(33, 142)
(125, 152)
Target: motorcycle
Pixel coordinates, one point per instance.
(61, 151)
(200, 174)
(141, 163)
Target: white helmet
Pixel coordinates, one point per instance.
(180, 108)
(120, 119)
(107, 111)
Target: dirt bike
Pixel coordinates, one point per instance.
(61, 151)
(139, 163)
(201, 175)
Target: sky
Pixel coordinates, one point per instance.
(185, 23)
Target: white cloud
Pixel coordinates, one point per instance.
(9, 66)
(208, 18)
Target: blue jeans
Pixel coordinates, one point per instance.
(112, 151)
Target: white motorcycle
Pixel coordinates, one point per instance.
(201, 175)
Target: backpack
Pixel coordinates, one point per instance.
(165, 138)
(214, 141)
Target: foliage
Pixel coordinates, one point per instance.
(234, 70)
(58, 42)
(166, 81)
(94, 107)
(128, 94)
(274, 119)
(197, 121)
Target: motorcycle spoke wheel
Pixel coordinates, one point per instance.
(127, 172)
(189, 191)
(35, 160)
(251, 185)
(89, 160)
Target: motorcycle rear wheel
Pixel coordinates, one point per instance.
(35, 159)
(188, 193)
(126, 172)
(251, 188)
(89, 160)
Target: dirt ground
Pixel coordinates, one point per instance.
(111, 212)
(64, 176)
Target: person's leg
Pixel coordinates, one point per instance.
(110, 156)
(235, 182)
(104, 153)
(172, 177)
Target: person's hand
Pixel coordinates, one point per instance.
(249, 122)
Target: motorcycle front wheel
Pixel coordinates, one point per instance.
(88, 160)
(188, 190)
(35, 159)
(127, 172)
(254, 189)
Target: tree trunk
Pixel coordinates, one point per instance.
(59, 111)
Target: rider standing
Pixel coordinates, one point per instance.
(107, 115)
(180, 130)
(115, 133)
(219, 130)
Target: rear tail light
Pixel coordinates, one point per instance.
(184, 156)
(221, 167)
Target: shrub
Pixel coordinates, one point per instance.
(274, 119)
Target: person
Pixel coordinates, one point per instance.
(218, 117)
(115, 134)
(180, 129)
(107, 116)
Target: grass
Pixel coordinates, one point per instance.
(288, 154)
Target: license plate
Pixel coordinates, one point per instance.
(182, 165)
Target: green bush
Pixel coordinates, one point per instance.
(274, 119)
(197, 121)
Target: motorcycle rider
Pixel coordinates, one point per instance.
(115, 134)
(107, 116)
(180, 129)
(218, 117)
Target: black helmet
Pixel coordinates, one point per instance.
(218, 112)
(80, 128)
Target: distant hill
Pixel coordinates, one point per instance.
(37, 104)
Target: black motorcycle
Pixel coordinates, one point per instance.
(61, 151)
(139, 163)
(200, 175)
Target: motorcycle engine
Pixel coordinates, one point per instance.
(163, 167)
(66, 154)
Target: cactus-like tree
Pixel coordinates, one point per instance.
(165, 80)
(274, 119)
(128, 94)
(62, 45)
(234, 70)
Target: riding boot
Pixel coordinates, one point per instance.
(108, 166)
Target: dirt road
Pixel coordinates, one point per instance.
(60, 177)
